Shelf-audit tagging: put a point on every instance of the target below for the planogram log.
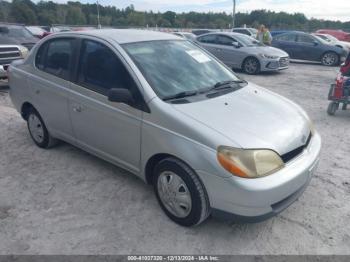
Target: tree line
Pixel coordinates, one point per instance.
(76, 13)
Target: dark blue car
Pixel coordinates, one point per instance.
(303, 46)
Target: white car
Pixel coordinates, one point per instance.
(332, 40)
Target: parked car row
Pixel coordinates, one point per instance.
(239, 51)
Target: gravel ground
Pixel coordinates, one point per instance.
(65, 201)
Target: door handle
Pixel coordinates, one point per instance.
(77, 109)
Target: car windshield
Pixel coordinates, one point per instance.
(248, 41)
(36, 30)
(332, 38)
(253, 31)
(176, 66)
(320, 39)
(14, 31)
(191, 37)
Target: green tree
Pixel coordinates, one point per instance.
(23, 11)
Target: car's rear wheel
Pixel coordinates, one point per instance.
(180, 193)
(330, 59)
(38, 130)
(251, 66)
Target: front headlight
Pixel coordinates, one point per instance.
(23, 51)
(249, 163)
(269, 56)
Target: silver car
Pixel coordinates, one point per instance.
(172, 114)
(240, 51)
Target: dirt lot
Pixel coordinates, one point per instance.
(65, 201)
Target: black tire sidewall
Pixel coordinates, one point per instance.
(332, 108)
(195, 215)
(45, 142)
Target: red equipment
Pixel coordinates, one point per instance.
(345, 68)
(339, 93)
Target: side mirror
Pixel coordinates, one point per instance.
(315, 43)
(236, 44)
(120, 95)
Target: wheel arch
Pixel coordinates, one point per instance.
(250, 56)
(25, 109)
(330, 51)
(153, 161)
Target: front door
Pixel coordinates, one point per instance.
(110, 130)
(231, 55)
(307, 48)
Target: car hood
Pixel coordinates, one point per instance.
(253, 117)
(267, 50)
(27, 42)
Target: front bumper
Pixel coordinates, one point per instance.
(274, 64)
(254, 200)
(3, 72)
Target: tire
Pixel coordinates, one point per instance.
(38, 131)
(332, 108)
(251, 66)
(330, 59)
(180, 193)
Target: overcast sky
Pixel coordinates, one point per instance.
(326, 9)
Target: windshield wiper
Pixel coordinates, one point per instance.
(180, 95)
(227, 84)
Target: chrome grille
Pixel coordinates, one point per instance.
(8, 54)
(294, 153)
(284, 61)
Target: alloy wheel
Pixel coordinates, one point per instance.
(251, 66)
(329, 59)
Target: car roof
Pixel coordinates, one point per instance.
(224, 33)
(243, 28)
(123, 36)
(294, 32)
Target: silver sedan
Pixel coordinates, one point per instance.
(239, 51)
(169, 112)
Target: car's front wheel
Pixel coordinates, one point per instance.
(38, 130)
(251, 66)
(180, 193)
(330, 59)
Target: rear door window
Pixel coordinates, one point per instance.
(55, 57)
(225, 40)
(305, 39)
(208, 39)
(286, 37)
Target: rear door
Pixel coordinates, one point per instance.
(50, 84)
(286, 42)
(209, 43)
(227, 53)
(110, 130)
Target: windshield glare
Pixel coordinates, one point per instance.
(175, 66)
